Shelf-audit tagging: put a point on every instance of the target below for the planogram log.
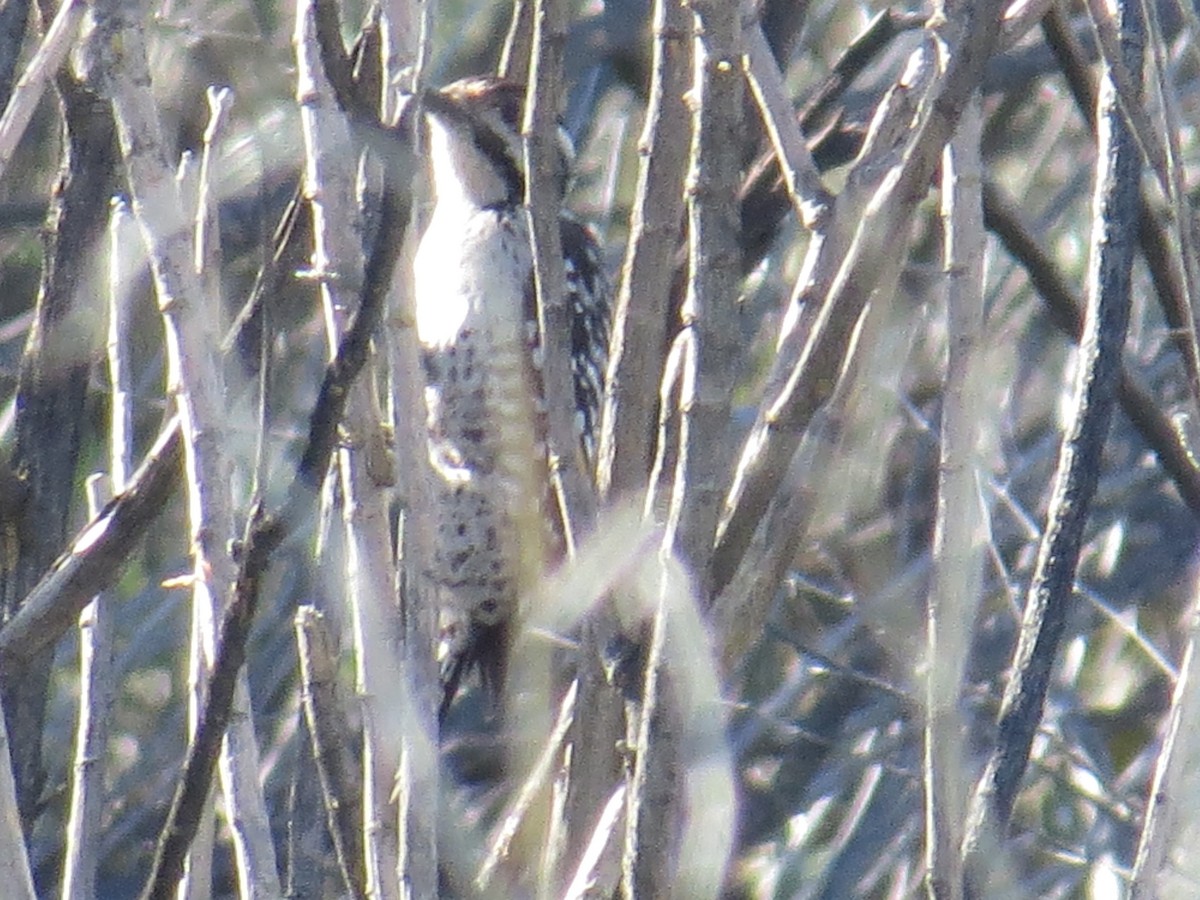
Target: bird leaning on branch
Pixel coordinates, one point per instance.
(495, 520)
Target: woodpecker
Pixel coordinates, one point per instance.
(494, 514)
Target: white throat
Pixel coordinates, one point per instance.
(462, 175)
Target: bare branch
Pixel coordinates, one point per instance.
(329, 183)
(1114, 227)
(960, 533)
(95, 558)
(96, 621)
(265, 533)
(533, 785)
(1168, 785)
(636, 351)
(341, 784)
(14, 860)
(841, 269)
(30, 86)
(638, 343)
(801, 178)
(710, 310)
(577, 496)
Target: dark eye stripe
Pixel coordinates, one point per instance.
(464, 100)
(490, 144)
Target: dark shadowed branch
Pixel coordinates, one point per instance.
(1114, 233)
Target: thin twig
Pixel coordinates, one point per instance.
(95, 622)
(842, 267)
(764, 200)
(863, 50)
(801, 179)
(195, 375)
(646, 868)
(1167, 784)
(266, 531)
(245, 807)
(206, 604)
(23, 101)
(533, 786)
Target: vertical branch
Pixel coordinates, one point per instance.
(95, 622)
(332, 754)
(640, 315)
(710, 310)
(518, 43)
(651, 802)
(14, 860)
(960, 530)
(573, 487)
(680, 817)
(708, 356)
(264, 534)
(406, 32)
(1114, 233)
(329, 183)
(197, 878)
(577, 497)
(196, 382)
(245, 807)
(406, 28)
(51, 389)
(740, 609)
(636, 351)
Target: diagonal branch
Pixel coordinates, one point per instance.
(1114, 231)
(842, 268)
